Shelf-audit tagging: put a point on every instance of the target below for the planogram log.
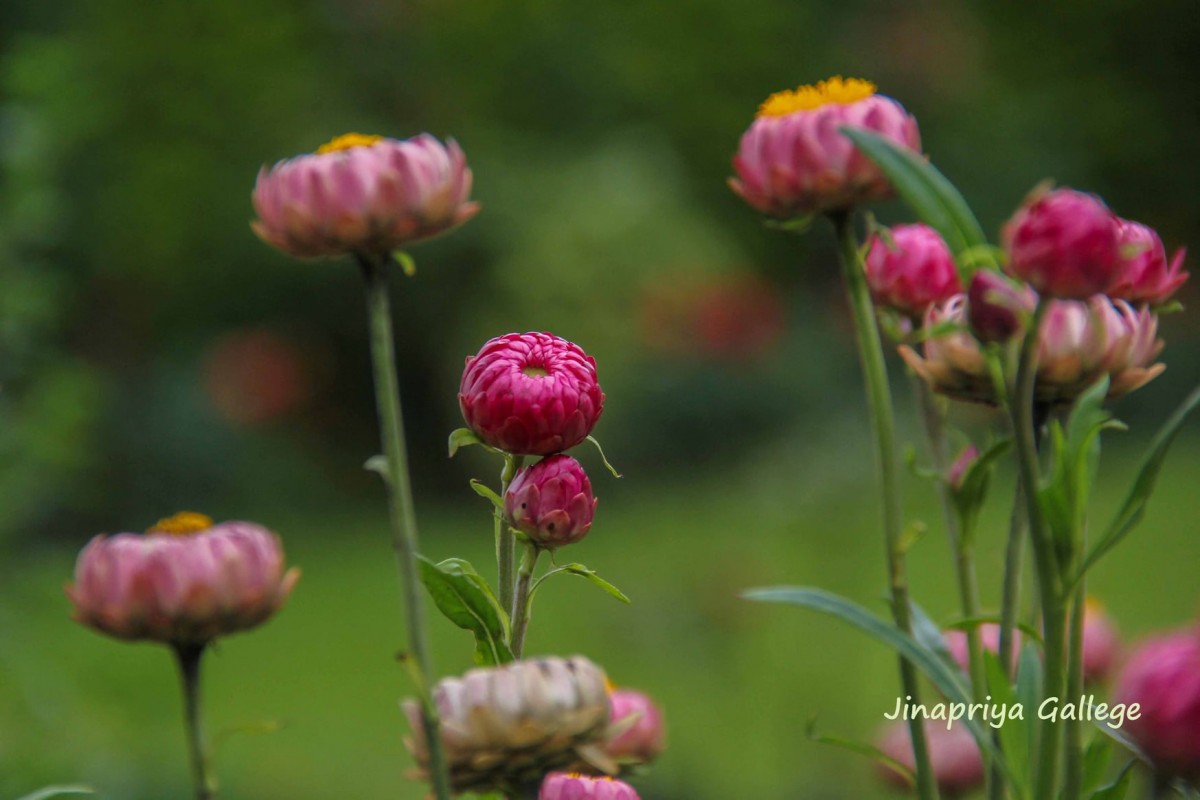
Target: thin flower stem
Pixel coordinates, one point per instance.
(520, 609)
(400, 501)
(1010, 596)
(188, 658)
(1045, 559)
(879, 401)
(505, 542)
(1073, 780)
(934, 420)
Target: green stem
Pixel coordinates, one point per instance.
(505, 541)
(1073, 781)
(188, 658)
(400, 502)
(1045, 560)
(520, 608)
(879, 402)
(968, 590)
(1010, 597)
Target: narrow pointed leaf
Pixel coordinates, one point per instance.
(1118, 788)
(462, 437)
(600, 450)
(464, 598)
(58, 791)
(483, 490)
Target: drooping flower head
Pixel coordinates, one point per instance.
(1163, 677)
(913, 271)
(505, 727)
(551, 502)
(574, 786)
(1078, 343)
(641, 735)
(531, 394)
(184, 582)
(363, 195)
(953, 754)
(1064, 243)
(1145, 275)
(794, 160)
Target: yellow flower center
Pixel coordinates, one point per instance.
(346, 141)
(182, 524)
(837, 89)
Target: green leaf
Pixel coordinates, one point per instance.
(600, 450)
(972, 488)
(927, 191)
(407, 265)
(929, 634)
(1118, 788)
(464, 598)
(969, 623)
(463, 437)
(797, 225)
(870, 751)
(57, 791)
(1134, 507)
(1014, 733)
(1095, 762)
(483, 490)
(584, 572)
(379, 465)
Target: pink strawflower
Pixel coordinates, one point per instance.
(1064, 243)
(958, 470)
(1145, 275)
(644, 739)
(363, 195)
(531, 394)
(551, 502)
(793, 160)
(954, 756)
(574, 786)
(989, 635)
(996, 307)
(1101, 644)
(186, 581)
(1078, 343)
(1163, 677)
(913, 272)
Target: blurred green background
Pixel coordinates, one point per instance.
(155, 356)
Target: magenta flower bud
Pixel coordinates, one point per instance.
(1163, 678)
(185, 582)
(958, 470)
(1078, 343)
(997, 307)
(953, 755)
(912, 274)
(989, 635)
(1101, 644)
(1064, 243)
(573, 786)
(641, 735)
(551, 502)
(531, 394)
(505, 727)
(363, 195)
(794, 160)
(1145, 275)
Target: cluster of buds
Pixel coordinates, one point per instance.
(185, 582)
(536, 394)
(505, 727)
(1163, 678)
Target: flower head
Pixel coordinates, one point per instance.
(186, 581)
(1163, 677)
(953, 754)
(506, 726)
(1064, 243)
(551, 502)
(574, 786)
(1078, 343)
(1145, 274)
(640, 736)
(997, 307)
(1101, 644)
(794, 160)
(531, 394)
(913, 271)
(363, 195)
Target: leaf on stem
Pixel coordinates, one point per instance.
(972, 487)
(407, 265)
(483, 490)
(928, 192)
(379, 465)
(1015, 739)
(464, 437)
(1118, 788)
(1095, 762)
(464, 598)
(600, 450)
(870, 751)
(584, 572)
(1134, 507)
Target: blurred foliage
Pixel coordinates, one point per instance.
(155, 356)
